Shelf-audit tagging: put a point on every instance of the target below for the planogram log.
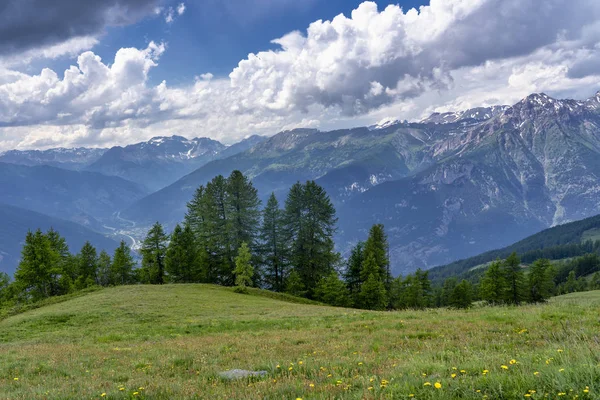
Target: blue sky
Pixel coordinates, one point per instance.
(75, 73)
(211, 37)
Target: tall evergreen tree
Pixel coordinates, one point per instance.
(215, 233)
(493, 285)
(181, 256)
(87, 267)
(310, 224)
(4, 289)
(540, 281)
(373, 295)
(447, 290)
(121, 269)
(377, 245)
(515, 279)
(595, 283)
(571, 283)
(243, 268)
(243, 211)
(352, 272)
(274, 254)
(104, 266)
(39, 266)
(154, 249)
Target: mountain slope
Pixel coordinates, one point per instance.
(78, 196)
(372, 156)
(157, 162)
(570, 233)
(15, 222)
(75, 159)
(535, 165)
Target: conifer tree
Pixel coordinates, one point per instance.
(121, 269)
(310, 224)
(87, 267)
(493, 285)
(39, 266)
(243, 268)
(540, 281)
(104, 265)
(571, 283)
(181, 256)
(462, 295)
(447, 290)
(514, 278)
(352, 272)
(273, 245)
(331, 290)
(422, 280)
(215, 233)
(243, 211)
(373, 295)
(4, 288)
(153, 250)
(377, 245)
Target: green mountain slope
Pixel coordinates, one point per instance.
(556, 238)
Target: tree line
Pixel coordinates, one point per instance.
(228, 238)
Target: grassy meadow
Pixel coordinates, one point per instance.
(171, 341)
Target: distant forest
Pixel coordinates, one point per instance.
(227, 239)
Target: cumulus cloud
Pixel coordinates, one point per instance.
(352, 70)
(28, 24)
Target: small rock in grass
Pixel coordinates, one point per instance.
(241, 373)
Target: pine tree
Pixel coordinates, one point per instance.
(153, 250)
(215, 233)
(243, 268)
(462, 295)
(243, 211)
(310, 224)
(331, 290)
(514, 277)
(104, 265)
(352, 272)
(87, 267)
(377, 245)
(121, 269)
(273, 245)
(38, 268)
(571, 283)
(422, 279)
(181, 256)
(373, 295)
(540, 281)
(447, 290)
(493, 285)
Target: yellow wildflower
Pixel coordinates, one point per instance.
(360, 363)
(462, 371)
(121, 389)
(561, 370)
(453, 376)
(503, 367)
(562, 394)
(536, 373)
(16, 379)
(427, 384)
(513, 361)
(103, 395)
(485, 371)
(136, 393)
(437, 385)
(300, 363)
(560, 350)
(290, 368)
(312, 385)
(370, 388)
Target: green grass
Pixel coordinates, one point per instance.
(173, 340)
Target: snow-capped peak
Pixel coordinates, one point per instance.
(385, 123)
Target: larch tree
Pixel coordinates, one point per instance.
(493, 284)
(274, 247)
(122, 267)
(514, 278)
(154, 248)
(243, 271)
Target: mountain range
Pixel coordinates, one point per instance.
(447, 187)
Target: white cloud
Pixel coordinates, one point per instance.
(180, 9)
(345, 72)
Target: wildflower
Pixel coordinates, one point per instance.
(586, 390)
(312, 385)
(427, 384)
(370, 388)
(360, 363)
(562, 394)
(424, 374)
(503, 367)
(371, 380)
(560, 350)
(561, 370)
(536, 373)
(462, 371)
(384, 382)
(513, 361)
(437, 385)
(16, 379)
(298, 398)
(454, 368)
(121, 389)
(531, 391)
(300, 363)
(485, 371)
(329, 375)
(274, 380)
(290, 368)
(140, 388)
(103, 395)
(411, 395)
(478, 390)
(136, 393)
(527, 395)
(278, 366)
(453, 376)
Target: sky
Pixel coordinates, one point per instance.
(114, 72)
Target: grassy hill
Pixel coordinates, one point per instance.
(170, 342)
